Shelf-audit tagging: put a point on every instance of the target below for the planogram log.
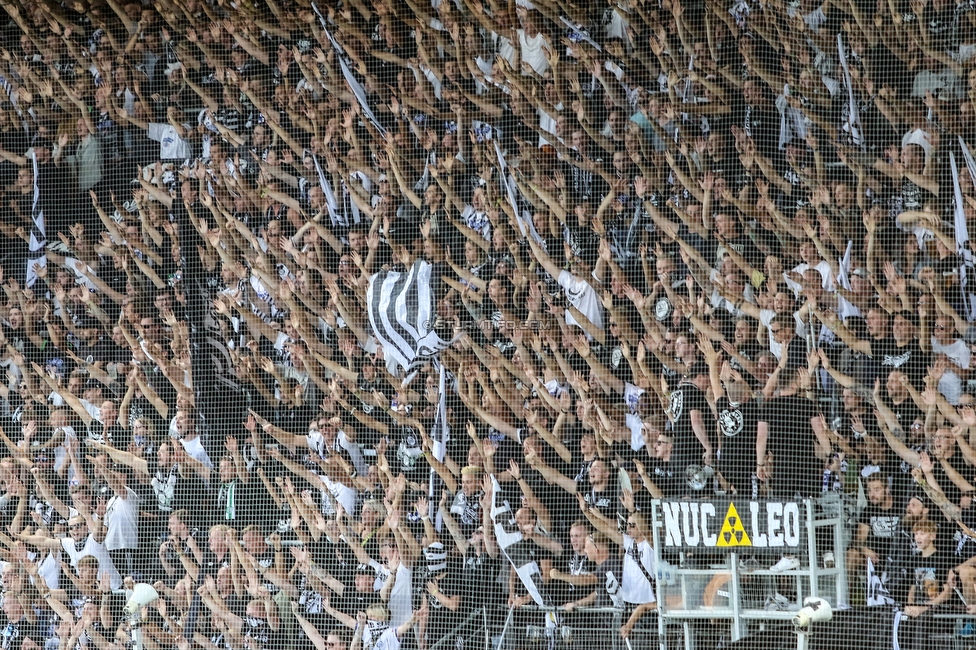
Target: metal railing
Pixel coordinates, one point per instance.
(584, 626)
(606, 636)
(810, 579)
(477, 620)
(681, 619)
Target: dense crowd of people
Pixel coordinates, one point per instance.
(679, 250)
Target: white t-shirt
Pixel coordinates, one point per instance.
(584, 297)
(94, 411)
(343, 494)
(505, 49)
(61, 455)
(401, 597)
(194, 449)
(718, 301)
(48, 570)
(386, 640)
(636, 589)
(97, 551)
(632, 395)
(957, 351)
(547, 122)
(950, 386)
(534, 51)
(382, 575)
(171, 145)
(122, 522)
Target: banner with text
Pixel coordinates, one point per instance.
(732, 523)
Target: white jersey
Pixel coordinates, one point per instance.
(379, 638)
(636, 586)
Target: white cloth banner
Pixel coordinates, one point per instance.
(354, 85)
(853, 124)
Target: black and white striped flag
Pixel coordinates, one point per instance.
(38, 237)
(401, 311)
(515, 547)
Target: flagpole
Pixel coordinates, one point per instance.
(960, 231)
(439, 437)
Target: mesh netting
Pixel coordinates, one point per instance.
(372, 324)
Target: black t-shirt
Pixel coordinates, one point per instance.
(260, 631)
(609, 580)
(751, 351)
(576, 564)
(683, 401)
(13, 634)
(909, 359)
(942, 24)
(441, 619)
(478, 574)
(903, 485)
(793, 444)
(950, 489)
(742, 245)
(583, 184)
(854, 437)
(174, 491)
(737, 434)
(212, 564)
(960, 546)
(409, 451)
(562, 505)
(506, 450)
(354, 601)
(906, 413)
(669, 477)
(907, 198)
(759, 122)
(867, 368)
(266, 561)
(796, 353)
(929, 575)
(467, 511)
(883, 528)
(606, 501)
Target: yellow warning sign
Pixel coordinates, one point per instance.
(733, 533)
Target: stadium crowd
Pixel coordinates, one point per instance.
(680, 250)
